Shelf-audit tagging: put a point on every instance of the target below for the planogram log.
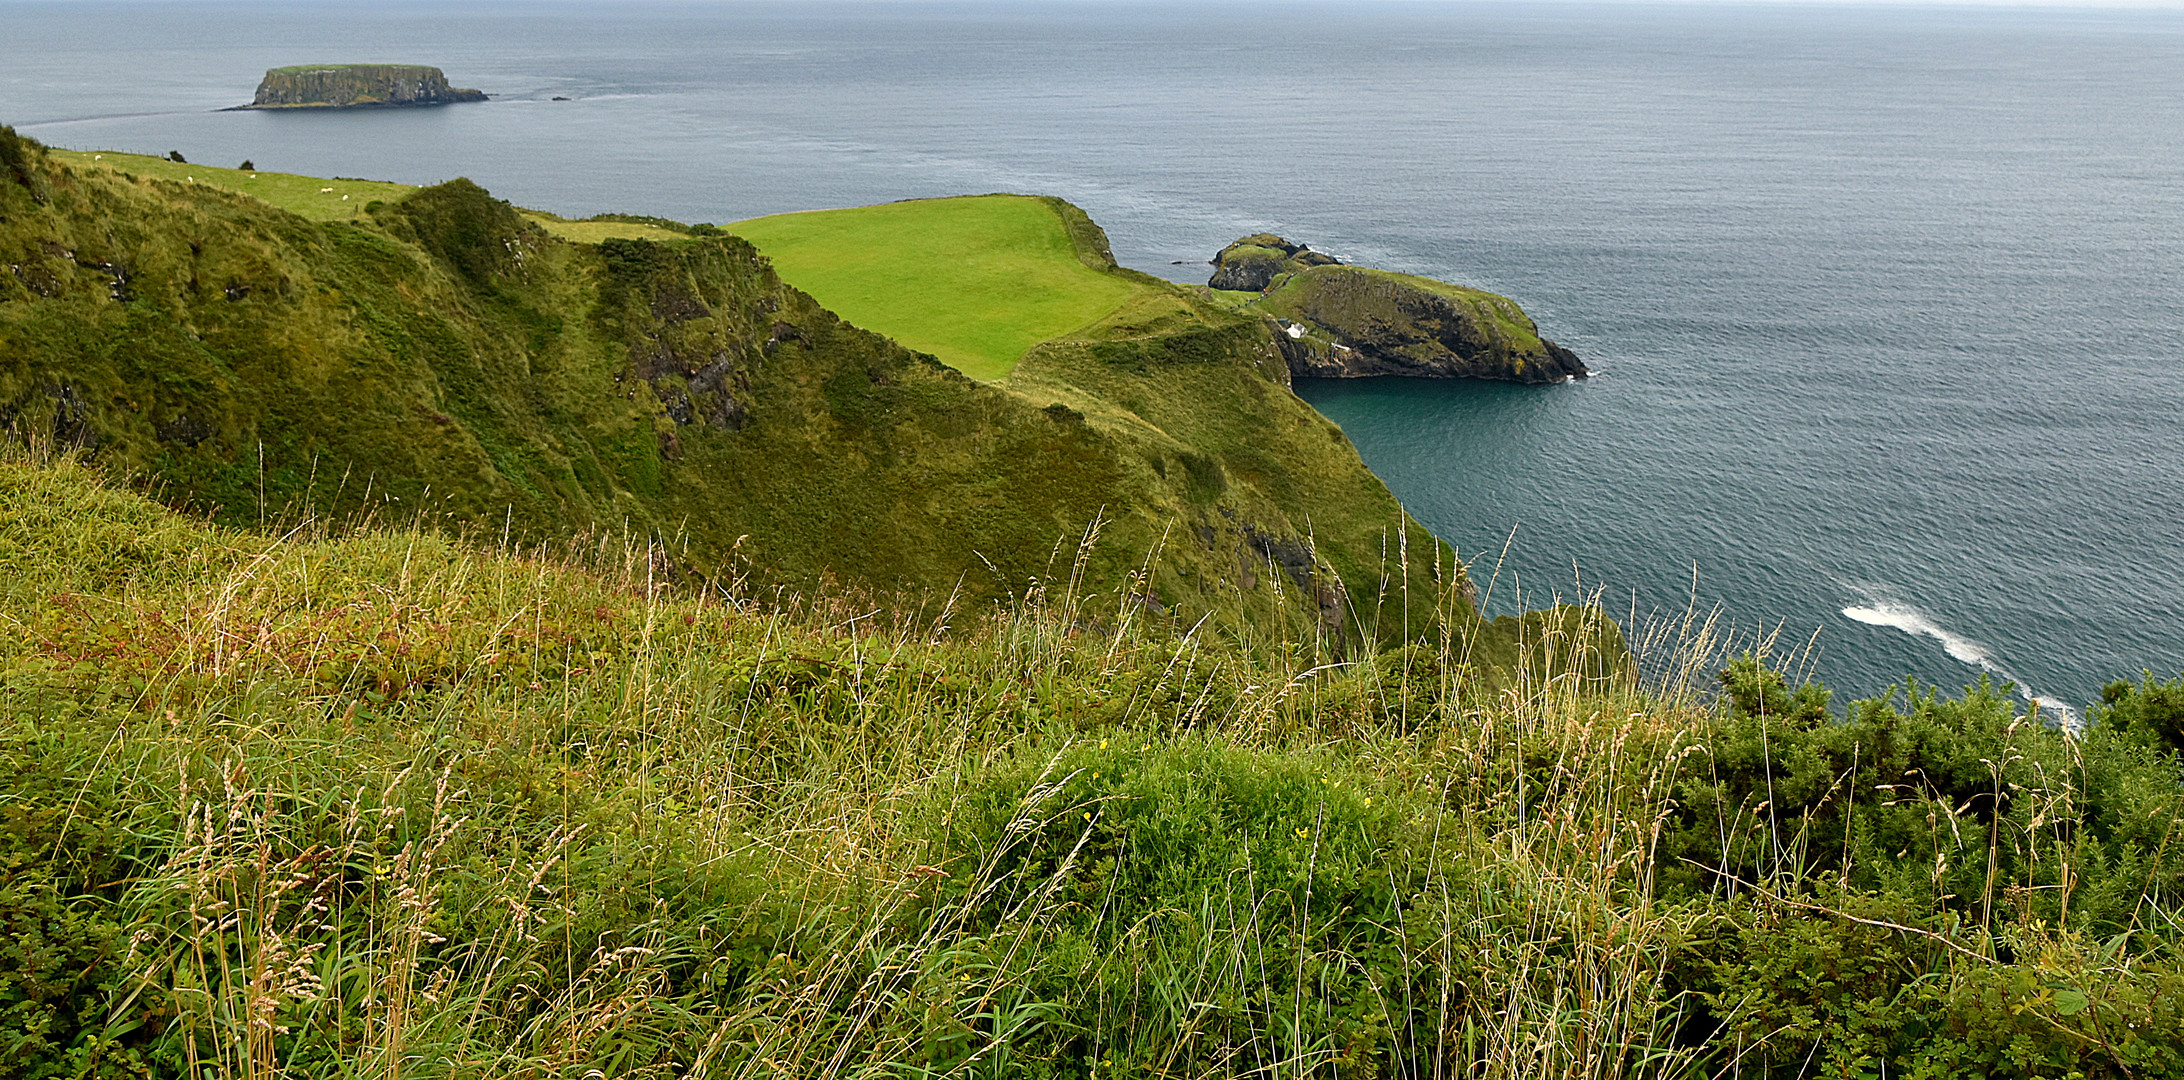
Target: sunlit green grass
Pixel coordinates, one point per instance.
(321, 199)
(306, 196)
(974, 281)
(592, 232)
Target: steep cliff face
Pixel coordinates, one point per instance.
(1343, 322)
(356, 86)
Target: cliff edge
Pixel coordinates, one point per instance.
(357, 86)
(1341, 322)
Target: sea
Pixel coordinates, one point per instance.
(1885, 303)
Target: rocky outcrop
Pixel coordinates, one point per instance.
(1340, 322)
(357, 86)
(1252, 263)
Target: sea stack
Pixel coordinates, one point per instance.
(357, 86)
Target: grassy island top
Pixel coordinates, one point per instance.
(1354, 288)
(298, 69)
(975, 280)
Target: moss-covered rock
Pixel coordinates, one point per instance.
(1252, 263)
(1345, 321)
(1342, 322)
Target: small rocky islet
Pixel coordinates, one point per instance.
(357, 86)
(1342, 321)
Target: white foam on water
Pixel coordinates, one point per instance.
(1901, 616)
(1912, 621)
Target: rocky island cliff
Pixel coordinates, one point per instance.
(357, 86)
(1343, 322)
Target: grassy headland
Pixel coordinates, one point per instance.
(441, 348)
(311, 197)
(975, 281)
(1298, 294)
(322, 199)
(1350, 321)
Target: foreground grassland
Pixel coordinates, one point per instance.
(335, 803)
(975, 281)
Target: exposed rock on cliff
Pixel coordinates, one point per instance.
(1252, 263)
(1347, 321)
(356, 86)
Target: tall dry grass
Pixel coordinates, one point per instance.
(374, 802)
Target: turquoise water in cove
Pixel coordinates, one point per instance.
(1885, 301)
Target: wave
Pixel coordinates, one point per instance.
(1910, 620)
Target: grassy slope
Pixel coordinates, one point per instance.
(443, 351)
(320, 199)
(429, 362)
(305, 196)
(374, 802)
(1191, 389)
(974, 281)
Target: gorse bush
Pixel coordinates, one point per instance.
(2151, 711)
(2031, 865)
(1964, 805)
(17, 157)
(376, 802)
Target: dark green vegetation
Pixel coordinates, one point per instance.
(372, 803)
(440, 354)
(1350, 321)
(356, 86)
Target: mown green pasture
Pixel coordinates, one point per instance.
(974, 281)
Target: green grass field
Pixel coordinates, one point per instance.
(321, 199)
(592, 232)
(326, 803)
(305, 196)
(974, 281)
